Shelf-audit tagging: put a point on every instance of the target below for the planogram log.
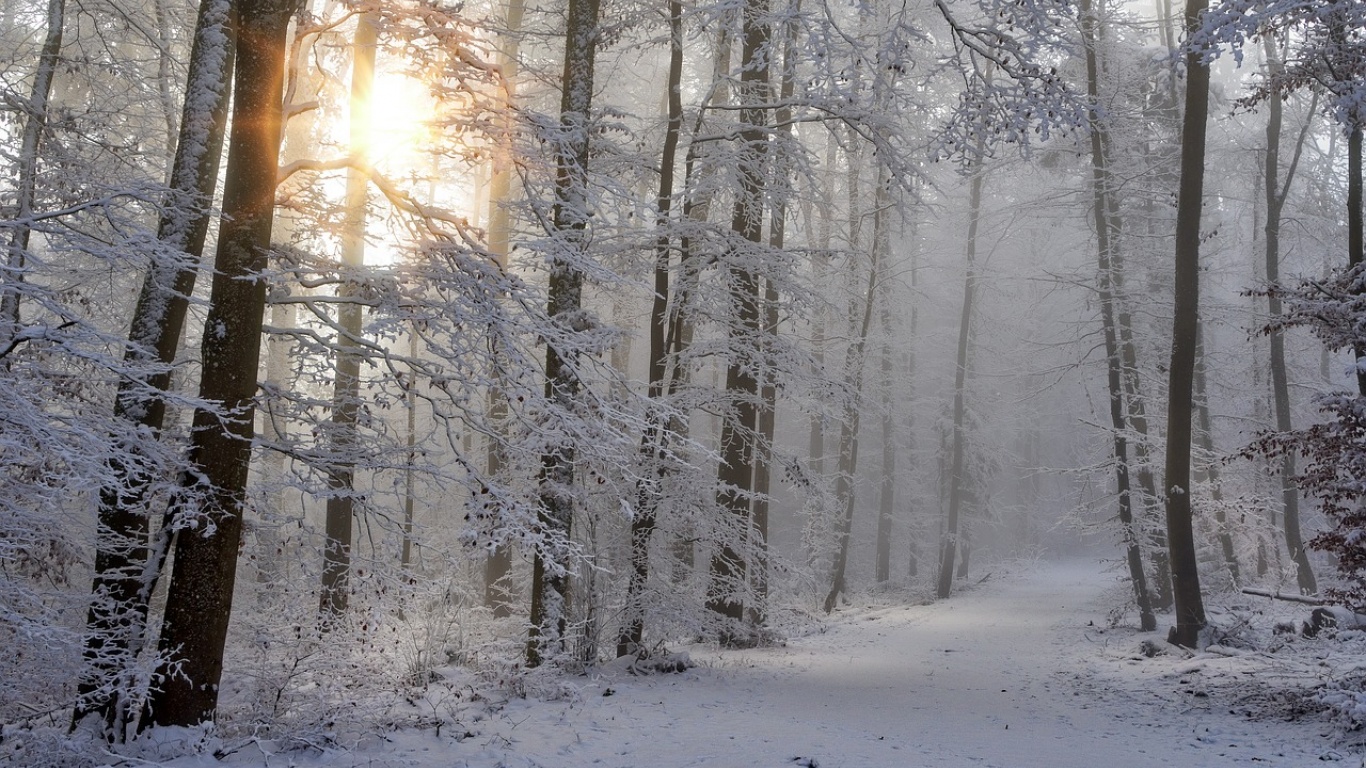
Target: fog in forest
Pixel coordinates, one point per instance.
(351, 348)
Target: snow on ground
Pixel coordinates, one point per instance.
(1016, 672)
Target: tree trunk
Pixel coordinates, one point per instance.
(768, 389)
(1356, 240)
(498, 592)
(735, 473)
(405, 557)
(125, 569)
(1137, 413)
(679, 335)
(1190, 609)
(1107, 242)
(854, 365)
(763, 459)
(882, 567)
(550, 570)
(949, 545)
(1276, 192)
(341, 499)
(913, 335)
(1208, 470)
(26, 188)
(199, 600)
(654, 442)
(166, 81)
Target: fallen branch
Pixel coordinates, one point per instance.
(1307, 600)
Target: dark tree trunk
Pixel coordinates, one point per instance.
(768, 388)
(763, 459)
(653, 446)
(1190, 609)
(1148, 513)
(735, 474)
(550, 580)
(1107, 242)
(125, 566)
(1137, 413)
(1276, 192)
(199, 600)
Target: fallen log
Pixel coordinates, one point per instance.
(1306, 599)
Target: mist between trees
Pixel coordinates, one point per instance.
(343, 341)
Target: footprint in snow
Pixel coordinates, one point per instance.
(806, 762)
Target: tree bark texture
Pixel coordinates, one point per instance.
(1107, 241)
(735, 474)
(1190, 609)
(1275, 192)
(654, 444)
(126, 568)
(550, 570)
(209, 520)
(768, 387)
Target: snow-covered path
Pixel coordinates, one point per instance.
(1011, 673)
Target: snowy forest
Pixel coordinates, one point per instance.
(365, 362)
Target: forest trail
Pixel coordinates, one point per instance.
(1015, 672)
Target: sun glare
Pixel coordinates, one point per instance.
(399, 139)
(400, 111)
(395, 141)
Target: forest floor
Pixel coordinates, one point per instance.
(1017, 671)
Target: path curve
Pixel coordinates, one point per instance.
(1015, 673)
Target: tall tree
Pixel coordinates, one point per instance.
(948, 546)
(570, 220)
(1190, 608)
(735, 473)
(26, 187)
(886, 502)
(1356, 227)
(768, 387)
(1276, 191)
(1105, 215)
(855, 363)
(125, 568)
(341, 499)
(655, 441)
(498, 592)
(209, 517)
